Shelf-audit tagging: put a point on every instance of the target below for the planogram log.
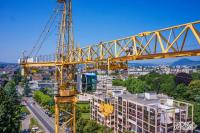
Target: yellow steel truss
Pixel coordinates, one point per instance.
(176, 41)
(165, 43)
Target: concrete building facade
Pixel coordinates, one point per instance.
(143, 113)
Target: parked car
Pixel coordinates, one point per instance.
(49, 114)
(29, 130)
(34, 129)
(25, 131)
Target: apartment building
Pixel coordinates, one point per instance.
(104, 82)
(39, 84)
(96, 115)
(143, 113)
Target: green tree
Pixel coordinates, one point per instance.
(167, 84)
(196, 113)
(91, 127)
(133, 85)
(27, 90)
(137, 86)
(9, 109)
(10, 89)
(78, 113)
(118, 82)
(46, 99)
(81, 123)
(43, 99)
(4, 76)
(47, 91)
(164, 83)
(183, 78)
(103, 129)
(195, 76)
(17, 77)
(37, 95)
(180, 92)
(152, 79)
(194, 91)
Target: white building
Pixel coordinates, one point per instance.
(39, 84)
(142, 113)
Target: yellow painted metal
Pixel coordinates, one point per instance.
(66, 96)
(56, 116)
(40, 64)
(106, 109)
(156, 43)
(112, 55)
(134, 47)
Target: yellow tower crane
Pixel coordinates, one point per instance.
(175, 41)
(65, 73)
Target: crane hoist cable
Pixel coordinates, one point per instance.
(46, 35)
(52, 17)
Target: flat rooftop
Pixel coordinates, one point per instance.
(150, 99)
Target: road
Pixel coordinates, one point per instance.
(26, 123)
(46, 121)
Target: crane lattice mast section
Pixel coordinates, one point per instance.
(66, 95)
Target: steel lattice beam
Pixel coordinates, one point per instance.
(176, 41)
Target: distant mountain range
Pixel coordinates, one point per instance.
(181, 62)
(185, 61)
(6, 64)
(141, 64)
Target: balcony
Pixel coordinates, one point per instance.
(152, 129)
(139, 123)
(131, 105)
(139, 108)
(139, 115)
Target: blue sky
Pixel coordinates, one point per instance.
(94, 21)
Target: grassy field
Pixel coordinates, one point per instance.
(85, 109)
(85, 116)
(83, 104)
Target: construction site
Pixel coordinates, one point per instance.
(92, 69)
(142, 113)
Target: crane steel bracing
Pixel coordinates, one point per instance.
(175, 41)
(170, 42)
(66, 95)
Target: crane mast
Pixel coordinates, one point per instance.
(66, 93)
(176, 41)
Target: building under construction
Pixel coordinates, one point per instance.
(143, 113)
(176, 41)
